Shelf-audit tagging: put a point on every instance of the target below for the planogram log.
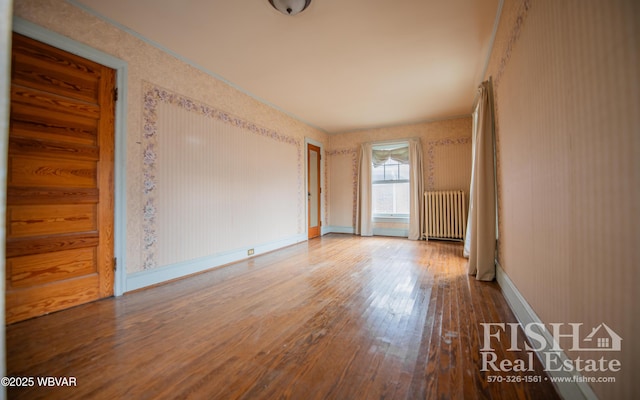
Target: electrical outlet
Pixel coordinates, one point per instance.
(250, 252)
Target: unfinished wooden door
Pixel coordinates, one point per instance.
(59, 221)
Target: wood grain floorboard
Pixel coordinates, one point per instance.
(339, 317)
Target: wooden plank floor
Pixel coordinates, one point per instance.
(340, 317)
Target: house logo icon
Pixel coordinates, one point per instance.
(602, 338)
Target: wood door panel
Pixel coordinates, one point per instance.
(46, 195)
(52, 102)
(41, 172)
(52, 149)
(43, 299)
(59, 216)
(32, 122)
(29, 75)
(25, 246)
(38, 269)
(41, 220)
(36, 64)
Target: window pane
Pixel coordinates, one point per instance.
(390, 198)
(382, 198)
(404, 171)
(391, 172)
(377, 173)
(402, 198)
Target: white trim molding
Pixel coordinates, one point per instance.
(525, 315)
(392, 219)
(142, 279)
(340, 229)
(395, 232)
(51, 38)
(324, 230)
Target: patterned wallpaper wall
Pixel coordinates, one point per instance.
(214, 182)
(567, 97)
(447, 161)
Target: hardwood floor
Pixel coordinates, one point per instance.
(339, 317)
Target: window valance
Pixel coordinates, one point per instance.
(399, 155)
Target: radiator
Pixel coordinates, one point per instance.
(445, 215)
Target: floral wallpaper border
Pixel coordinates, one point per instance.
(430, 161)
(514, 37)
(354, 175)
(154, 95)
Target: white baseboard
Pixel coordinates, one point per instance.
(525, 315)
(324, 230)
(166, 273)
(397, 232)
(340, 229)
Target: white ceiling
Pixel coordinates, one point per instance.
(340, 65)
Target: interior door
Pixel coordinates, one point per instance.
(59, 219)
(314, 191)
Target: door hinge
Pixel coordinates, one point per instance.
(115, 263)
(115, 94)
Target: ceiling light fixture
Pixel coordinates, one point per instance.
(290, 7)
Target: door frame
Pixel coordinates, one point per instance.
(308, 141)
(54, 39)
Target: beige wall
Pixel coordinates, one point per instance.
(446, 147)
(567, 95)
(149, 65)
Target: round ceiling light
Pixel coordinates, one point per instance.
(290, 7)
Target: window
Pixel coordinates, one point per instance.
(390, 181)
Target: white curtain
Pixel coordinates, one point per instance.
(411, 155)
(467, 236)
(364, 219)
(480, 239)
(416, 190)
